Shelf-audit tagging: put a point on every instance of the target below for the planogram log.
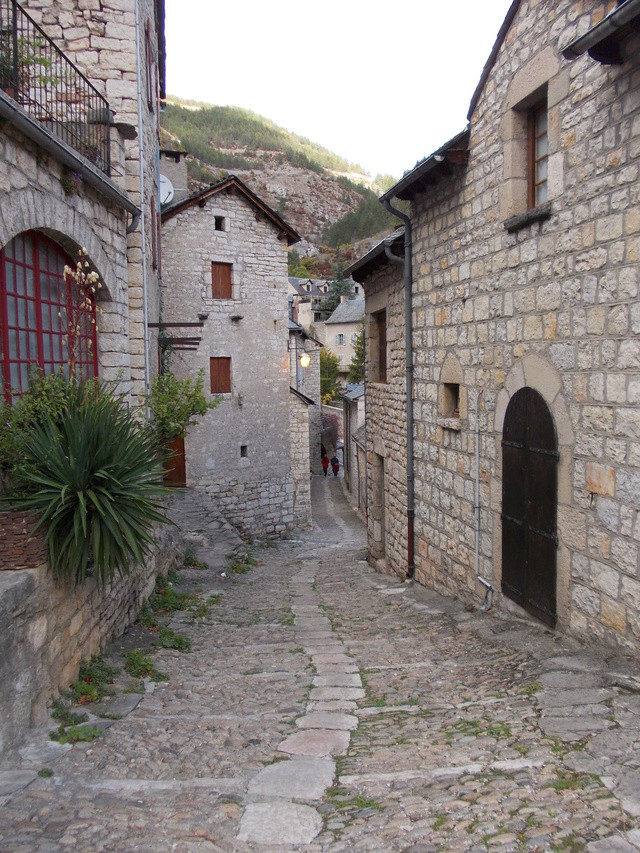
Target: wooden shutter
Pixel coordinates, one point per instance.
(220, 280)
(220, 374)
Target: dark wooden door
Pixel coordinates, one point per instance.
(175, 468)
(529, 505)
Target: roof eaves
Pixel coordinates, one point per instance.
(455, 152)
(375, 257)
(302, 396)
(601, 42)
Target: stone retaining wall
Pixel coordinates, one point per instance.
(46, 630)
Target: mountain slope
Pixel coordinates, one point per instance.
(309, 186)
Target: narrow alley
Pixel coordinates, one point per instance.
(325, 707)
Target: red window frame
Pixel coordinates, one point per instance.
(35, 322)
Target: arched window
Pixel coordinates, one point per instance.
(42, 314)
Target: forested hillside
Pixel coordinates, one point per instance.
(328, 200)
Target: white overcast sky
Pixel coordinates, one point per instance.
(380, 83)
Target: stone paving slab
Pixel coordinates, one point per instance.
(327, 720)
(316, 742)
(288, 824)
(298, 778)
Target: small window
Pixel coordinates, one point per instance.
(451, 400)
(220, 280)
(244, 451)
(340, 340)
(219, 223)
(220, 373)
(354, 338)
(356, 289)
(538, 155)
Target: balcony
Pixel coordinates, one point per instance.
(37, 75)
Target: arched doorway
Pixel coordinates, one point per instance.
(41, 313)
(529, 505)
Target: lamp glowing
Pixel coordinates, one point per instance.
(305, 359)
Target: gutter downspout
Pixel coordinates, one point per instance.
(145, 306)
(408, 280)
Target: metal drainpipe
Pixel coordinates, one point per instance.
(145, 307)
(488, 598)
(408, 278)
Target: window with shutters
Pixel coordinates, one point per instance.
(221, 283)
(220, 373)
(340, 340)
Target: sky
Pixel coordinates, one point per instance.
(383, 84)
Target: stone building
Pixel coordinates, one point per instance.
(305, 378)
(523, 245)
(339, 331)
(78, 170)
(225, 276)
(353, 419)
(82, 171)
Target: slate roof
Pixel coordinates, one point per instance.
(350, 311)
(377, 256)
(354, 391)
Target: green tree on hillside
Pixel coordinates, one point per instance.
(356, 368)
(329, 382)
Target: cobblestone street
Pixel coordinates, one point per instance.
(325, 707)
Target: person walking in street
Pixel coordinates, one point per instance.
(325, 464)
(335, 465)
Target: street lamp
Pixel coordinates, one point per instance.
(305, 359)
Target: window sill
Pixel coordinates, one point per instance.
(450, 423)
(536, 214)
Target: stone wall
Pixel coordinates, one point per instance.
(300, 465)
(307, 381)
(99, 36)
(386, 434)
(552, 306)
(18, 549)
(46, 630)
(239, 453)
(33, 198)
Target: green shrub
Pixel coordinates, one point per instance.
(175, 404)
(94, 477)
(44, 400)
(171, 640)
(140, 665)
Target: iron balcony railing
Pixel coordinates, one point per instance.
(39, 77)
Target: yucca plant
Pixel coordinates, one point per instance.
(94, 477)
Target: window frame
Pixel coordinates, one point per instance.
(38, 326)
(534, 158)
(380, 322)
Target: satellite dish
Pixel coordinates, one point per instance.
(166, 190)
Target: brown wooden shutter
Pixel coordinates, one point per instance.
(220, 281)
(220, 375)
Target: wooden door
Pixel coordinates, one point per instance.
(529, 505)
(175, 465)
